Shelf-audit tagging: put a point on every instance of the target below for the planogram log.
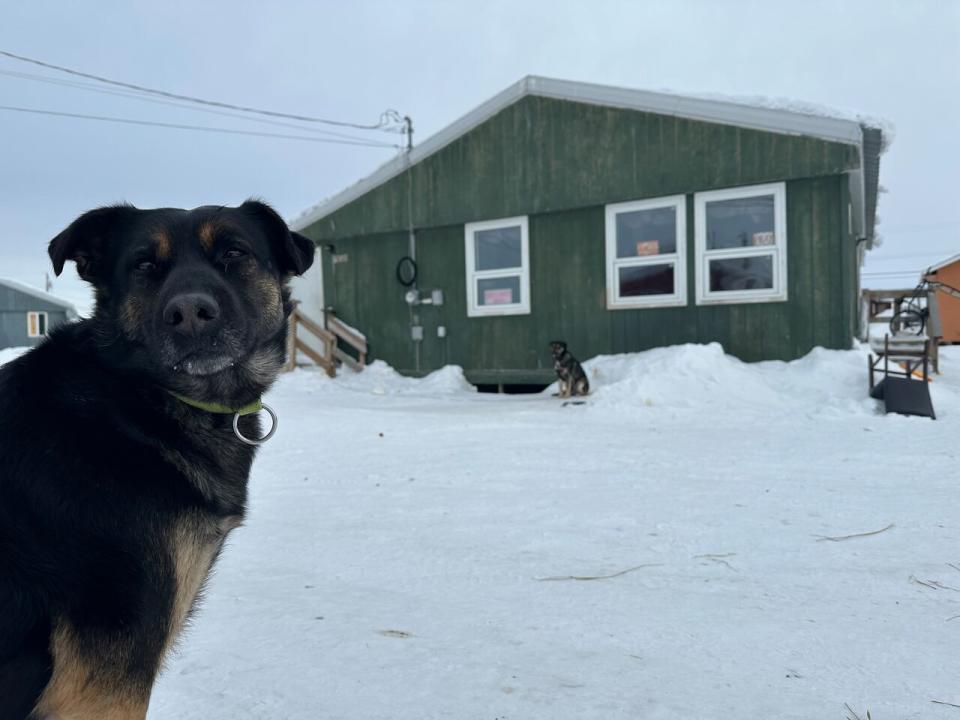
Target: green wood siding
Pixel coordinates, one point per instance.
(542, 155)
(568, 295)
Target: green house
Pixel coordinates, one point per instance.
(617, 220)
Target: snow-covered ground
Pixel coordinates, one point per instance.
(417, 550)
(8, 354)
(411, 545)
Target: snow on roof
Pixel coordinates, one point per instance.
(41, 295)
(758, 113)
(802, 107)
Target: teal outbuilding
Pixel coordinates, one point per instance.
(28, 314)
(616, 220)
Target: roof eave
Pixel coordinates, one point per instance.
(943, 263)
(40, 295)
(707, 110)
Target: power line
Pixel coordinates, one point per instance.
(386, 117)
(157, 101)
(921, 226)
(887, 272)
(910, 256)
(200, 128)
(891, 274)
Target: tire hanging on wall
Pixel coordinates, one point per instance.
(407, 271)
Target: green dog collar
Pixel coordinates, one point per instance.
(249, 409)
(212, 407)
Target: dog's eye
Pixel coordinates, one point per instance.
(146, 266)
(233, 254)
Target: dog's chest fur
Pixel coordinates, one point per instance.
(197, 535)
(195, 543)
(81, 688)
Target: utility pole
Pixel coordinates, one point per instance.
(408, 131)
(412, 239)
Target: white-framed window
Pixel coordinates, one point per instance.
(36, 324)
(498, 267)
(741, 244)
(646, 249)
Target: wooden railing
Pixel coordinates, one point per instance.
(351, 338)
(330, 338)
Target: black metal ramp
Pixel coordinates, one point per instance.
(904, 396)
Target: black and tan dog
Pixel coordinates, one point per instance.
(120, 472)
(573, 380)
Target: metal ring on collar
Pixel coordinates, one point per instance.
(249, 441)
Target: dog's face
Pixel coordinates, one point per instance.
(198, 295)
(558, 348)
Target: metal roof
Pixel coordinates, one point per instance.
(40, 295)
(726, 112)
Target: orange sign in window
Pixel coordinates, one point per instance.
(36, 324)
(648, 247)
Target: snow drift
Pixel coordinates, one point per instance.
(378, 378)
(703, 376)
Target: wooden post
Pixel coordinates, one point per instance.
(291, 363)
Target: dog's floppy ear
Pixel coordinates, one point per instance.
(85, 238)
(293, 251)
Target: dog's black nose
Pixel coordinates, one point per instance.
(191, 313)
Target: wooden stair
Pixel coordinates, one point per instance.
(331, 337)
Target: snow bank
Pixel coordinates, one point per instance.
(824, 383)
(8, 354)
(677, 379)
(678, 376)
(704, 377)
(378, 378)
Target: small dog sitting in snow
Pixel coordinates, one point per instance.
(573, 380)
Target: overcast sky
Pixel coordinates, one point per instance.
(436, 61)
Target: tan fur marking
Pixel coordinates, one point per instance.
(85, 688)
(195, 543)
(77, 691)
(208, 233)
(161, 242)
(269, 291)
(131, 315)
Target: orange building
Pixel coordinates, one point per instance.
(948, 273)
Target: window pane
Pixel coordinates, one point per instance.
(498, 291)
(647, 232)
(497, 249)
(646, 280)
(32, 325)
(750, 273)
(743, 222)
(42, 323)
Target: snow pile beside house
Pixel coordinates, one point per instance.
(684, 376)
(679, 378)
(704, 377)
(378, 378)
